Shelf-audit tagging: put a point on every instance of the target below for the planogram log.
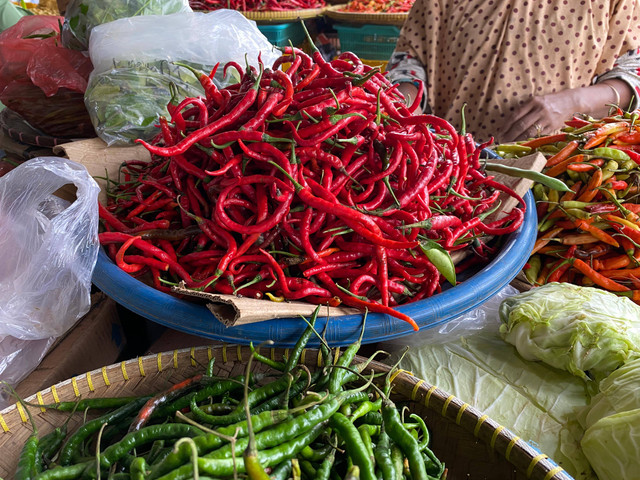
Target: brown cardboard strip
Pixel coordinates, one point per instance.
(232, 310)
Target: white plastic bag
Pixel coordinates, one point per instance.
(49, 248)
(133, 60)
(82, 16)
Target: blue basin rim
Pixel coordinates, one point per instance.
(196, 319)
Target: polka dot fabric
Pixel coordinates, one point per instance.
(494, 55)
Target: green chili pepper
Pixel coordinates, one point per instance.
(540, 193)
(282, 471)
(538, 177)
(609, 170)
(532, 270)
(72, 448)
(145, 435)
(138, 469)
(401, 437)
(355, 446)
(222, 467)
(440, 258)
(208, 442)
(366, 407)
(70, 472)
(384, 462)
(294, 426)
(611, 153)
(300, 345)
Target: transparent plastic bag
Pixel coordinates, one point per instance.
(134, 67)
(50, 248)
(81, 16)
(484, 317)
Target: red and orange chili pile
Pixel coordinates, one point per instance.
(315, 183)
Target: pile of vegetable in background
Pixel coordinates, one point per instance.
(81, 16)
(590, 235)
(378, 6)
(293, 423)
(313, 183)
(257, 5)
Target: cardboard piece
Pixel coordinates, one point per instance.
(232, 310)
(100, 160)
(97, 339)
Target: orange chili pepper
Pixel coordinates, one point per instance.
(612, 263)
(600, 234)
(596, 277)
(590, 190)
(538, 142)
(561, 167)
(563, 154)
(578, 239)
(545, 239)
(602, 133)
(586, 167)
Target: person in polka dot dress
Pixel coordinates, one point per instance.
(521, 67)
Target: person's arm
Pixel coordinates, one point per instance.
(547, 113)
(409, 74)
(619, 86)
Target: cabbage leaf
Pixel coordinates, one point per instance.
(536, 402)
(586, 331)
(619, 392)
(612, 445)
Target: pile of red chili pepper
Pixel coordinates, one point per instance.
(313, 183)
(295, 422)
(590, 235)
(378, 6)
(256, 5)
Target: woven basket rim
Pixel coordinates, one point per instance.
(334, 12)
(517, 452)
(283, 15)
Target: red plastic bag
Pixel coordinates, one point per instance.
(43, 81)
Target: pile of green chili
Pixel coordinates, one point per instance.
(292, 423)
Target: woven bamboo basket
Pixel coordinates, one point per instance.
(283, 15)
(472, 445)
(336, 12)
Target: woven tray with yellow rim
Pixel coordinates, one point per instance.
(471, 444)
(283, 15)
(337, 12)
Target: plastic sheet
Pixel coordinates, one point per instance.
(134, 66)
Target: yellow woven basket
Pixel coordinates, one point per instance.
(283, 15)
(336, 12)
(472, 445)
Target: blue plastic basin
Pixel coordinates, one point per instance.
(196, 319)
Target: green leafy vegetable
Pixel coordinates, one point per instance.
(586, 331)
(619, 392)
(612, 445)
(125, 103)
(82, 15)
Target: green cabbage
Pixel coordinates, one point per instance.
(612, 445)
(619, 392)
(534, 401)
(586, 331)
